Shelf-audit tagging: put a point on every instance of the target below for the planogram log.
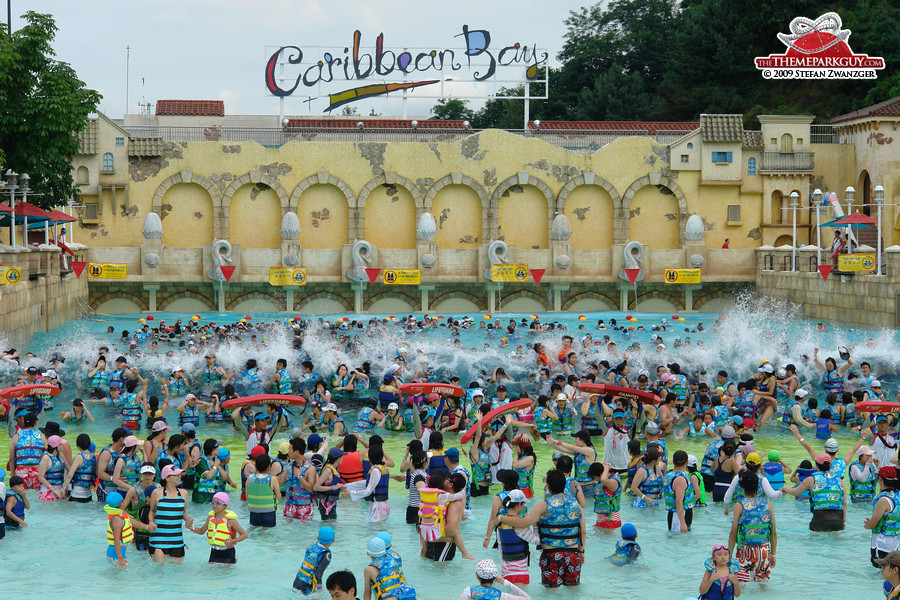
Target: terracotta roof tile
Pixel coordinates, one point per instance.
(190, 108)
(753, 139)
(635, 127)
(722, 128)
(88, 139)
(888, 108)
(369, 124)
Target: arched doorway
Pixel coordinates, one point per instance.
(654, 217)
(864, 192)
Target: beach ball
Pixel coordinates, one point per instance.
(634, 319)
(149, 317)
(681, 320)
(248, 317)
(195, 318)
(628, 317)
(674, 317)
(582, 318)
(487, 317)
(141, 320)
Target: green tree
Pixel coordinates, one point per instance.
(452, 109)
(42, 103)
(348, 111)
(501, 113)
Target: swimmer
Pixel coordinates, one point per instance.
(627, 549)
(487, 574)
(222, 531)
(311, 573)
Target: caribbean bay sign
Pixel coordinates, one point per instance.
(320, 72)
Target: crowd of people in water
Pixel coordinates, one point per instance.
(608, 449)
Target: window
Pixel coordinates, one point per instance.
(685, 158)
(690, 146)
(787, 143)
(751, 166)
(90, 213)
(774, 141)
(721, 157)
(120, 142)
(108, 163)
(799, 141)
(81, 176)
(734, 213)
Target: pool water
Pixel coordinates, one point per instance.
(64, 546)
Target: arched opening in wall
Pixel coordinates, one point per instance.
(81, 176)
(523, 217)
(589, 209)
(589, 305)
(716, 305)
(322, 306)
(777, 207)
(188, 305)
(864, 193)
(255, 217)
(784, 240)
(522, 305)
(115, 306)
(324, 217)
(457, 210)
(655, 305)
(455, 305)
(787, 143)
(654, 217)
(259, 305)
(187, 216)
(391, 217)
(391, 305)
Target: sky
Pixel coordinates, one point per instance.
(217, 49)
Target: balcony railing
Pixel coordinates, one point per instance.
(822, 134)
(274, 137)
(787, 162)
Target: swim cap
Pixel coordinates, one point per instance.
(376, 547)
(326, 535)
(629, 531)
(486, 569)
(2, 474)
(384, 535)
(774, 456)
(224, 453)
(114, 499)
(221, 497)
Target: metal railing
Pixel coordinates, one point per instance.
(787, 161)
(822, 134)
(275, 136)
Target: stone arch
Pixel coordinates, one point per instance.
(706, 298)
(300, 302)
(386, 178)
(677, 301)
(326, 178)
(477, 300)
(586, 179)
(610, 301)
(254, 295)
(255, 176)
(457, 178)
(411, 300)
(531, 295)
(220, 222)
(520, 178)
(623, 222)
(136, 298)
(210, 302)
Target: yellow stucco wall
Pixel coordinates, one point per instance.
(257, 205)
(187, 217)
(391, 217)
(457, 210)
(523, 217)
(589, 209)
(654, 218)
(324, 217)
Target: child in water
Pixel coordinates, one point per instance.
(16, 502)
(627, 549)
(720, 580)
(318, 556)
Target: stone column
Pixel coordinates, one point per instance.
(689, 297)
(492, 289)
(624, 289)
(151, 289)
(358, 289)
(424, 289)
(558, 289)
(289, 299)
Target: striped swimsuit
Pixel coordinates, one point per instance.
(169, 513)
